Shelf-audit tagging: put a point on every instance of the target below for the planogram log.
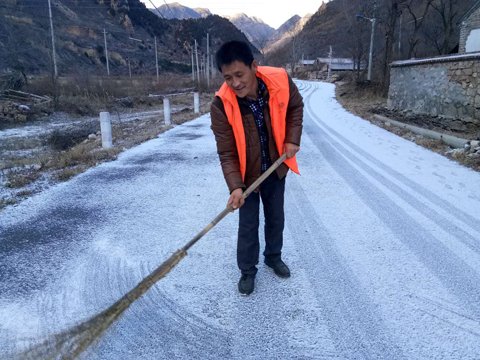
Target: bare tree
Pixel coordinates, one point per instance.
(293, 35)
(434, 35)
(448, 13)
(388, 18)
(418, 19)
(356, 41)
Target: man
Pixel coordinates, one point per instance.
(256, 116)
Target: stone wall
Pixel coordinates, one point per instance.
(444, 86)
(469, 31)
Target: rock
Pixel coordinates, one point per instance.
(23, 108)
(92, 137)
(126, 102)
(455, 153)
(474, 144)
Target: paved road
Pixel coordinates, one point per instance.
(382, 237)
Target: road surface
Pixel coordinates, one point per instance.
(382, 237)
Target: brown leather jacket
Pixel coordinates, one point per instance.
(225, 139)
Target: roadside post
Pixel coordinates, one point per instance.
(106, 130)
(196, 103)
(166, 111)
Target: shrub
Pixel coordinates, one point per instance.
(65, 139)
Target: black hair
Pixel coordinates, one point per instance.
(233, 51)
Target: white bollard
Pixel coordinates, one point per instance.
(106, 129)
(196, 103)
(166, 111)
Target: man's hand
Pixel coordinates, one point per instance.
(235, 200)
(290, 149)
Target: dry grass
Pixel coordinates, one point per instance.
(6, 202)
(21, 177)
(360, 99)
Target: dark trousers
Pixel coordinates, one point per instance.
(248, 247)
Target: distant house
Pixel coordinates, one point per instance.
(470, 30)
(306, 62)
(339, 64)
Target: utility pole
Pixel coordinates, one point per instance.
(373, 20)
(106, 50)
(196, 58)
(213, 67)
(55, 71)
(208, 61)
(372, 35)
(400, 36)
(193, 68)
(156, 57)
(330, 54)
(129, 69)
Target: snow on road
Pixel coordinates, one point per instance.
(382, 237)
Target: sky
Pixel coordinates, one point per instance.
(269, 11)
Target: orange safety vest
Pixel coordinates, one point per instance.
(276, 80)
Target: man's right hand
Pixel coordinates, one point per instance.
(236, 199)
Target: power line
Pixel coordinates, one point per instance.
(168, 7)
(158, 11)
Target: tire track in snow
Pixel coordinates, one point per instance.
(454, 273)
(419, 190)
(356, 328)
(441, 221)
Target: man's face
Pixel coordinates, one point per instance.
(241, 78)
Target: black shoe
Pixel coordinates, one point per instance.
(279, 267)
(246, 284)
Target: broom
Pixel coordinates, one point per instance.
(72, 342)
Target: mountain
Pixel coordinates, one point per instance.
(81, 29)
(285, 32)
(254, 28)
(178, 11)
(256, 31)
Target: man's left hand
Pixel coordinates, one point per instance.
(290, 149)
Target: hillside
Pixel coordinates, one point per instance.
(285, 33)
(130, 31)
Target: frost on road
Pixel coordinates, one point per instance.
(382, 236)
